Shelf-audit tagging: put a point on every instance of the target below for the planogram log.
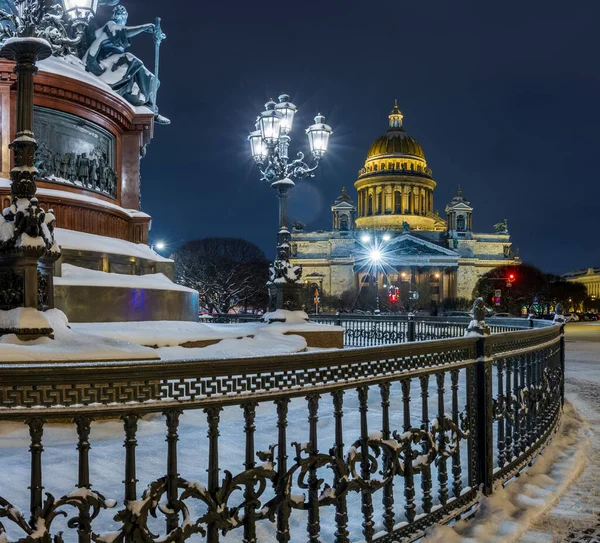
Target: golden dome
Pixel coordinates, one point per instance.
(396, 141)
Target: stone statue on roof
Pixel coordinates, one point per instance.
(126, 74)
(501, 227)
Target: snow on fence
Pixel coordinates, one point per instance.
(370, 444)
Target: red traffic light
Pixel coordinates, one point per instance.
(511, 277)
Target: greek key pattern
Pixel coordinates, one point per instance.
(72, 395)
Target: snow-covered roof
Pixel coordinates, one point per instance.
(70, 239)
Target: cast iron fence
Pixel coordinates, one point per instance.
(411, 433)
(371, 330)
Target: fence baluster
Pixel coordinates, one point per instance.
(249, 511)
(283, 512)
(456, 467)
(530, 398)
(213, 415)
(501, 412)
(83, 424)
(508, 425)
(523, 403)
(442, 469)
(172, 419)
(516, 409)
(36, 431)
(409, 480)
(426, 482)
(130, 425)
(314, 526)
(341, 507)
(365, 465)
(388, 489)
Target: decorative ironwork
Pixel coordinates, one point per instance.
(449, 372)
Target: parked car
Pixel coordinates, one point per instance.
(571, 317)
(457, 314)
(588, 317)
(504, 315)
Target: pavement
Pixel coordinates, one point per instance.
(575, 518)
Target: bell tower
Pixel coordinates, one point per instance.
(344, 212)
(460, 217)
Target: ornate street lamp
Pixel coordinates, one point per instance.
(80, 10)
(269, 145)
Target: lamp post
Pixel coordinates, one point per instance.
(269, 145)
(27, 247)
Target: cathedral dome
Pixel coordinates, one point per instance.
(396, 141)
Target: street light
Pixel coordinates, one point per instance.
(269, 146)
(80, 10)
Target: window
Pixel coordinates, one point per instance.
(370, 208)
(460, 223)
(397, 202)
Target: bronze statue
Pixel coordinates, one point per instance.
(124, 72)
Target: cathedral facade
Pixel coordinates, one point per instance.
(390, 236)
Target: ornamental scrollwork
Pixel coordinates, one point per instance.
(87, 502)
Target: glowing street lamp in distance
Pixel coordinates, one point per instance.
(386, 237)
(365, 238)
(160, 245)
(375, 255)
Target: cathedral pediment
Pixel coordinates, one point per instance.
(412, 246)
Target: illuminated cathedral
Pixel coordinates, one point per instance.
(392, 217)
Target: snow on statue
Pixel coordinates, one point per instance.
(124, 72)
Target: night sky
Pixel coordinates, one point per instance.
(503, 97)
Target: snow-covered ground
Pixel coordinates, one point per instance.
(576, 516)
(151, 339)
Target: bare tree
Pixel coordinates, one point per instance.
(225, 271)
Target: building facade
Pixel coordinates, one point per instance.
(590, 278)
(391, 235)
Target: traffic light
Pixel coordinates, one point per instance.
(511, 277)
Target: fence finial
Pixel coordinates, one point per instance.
(478, 325)
(559, 316)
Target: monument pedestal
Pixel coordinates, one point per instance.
(286, 296)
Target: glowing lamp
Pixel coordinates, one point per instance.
(365, 239)
(375, 255)
(269, 123)
(160, 245)
(257, 146)
(318, 136)
(80, 10)
(386, 237)
(287, 111)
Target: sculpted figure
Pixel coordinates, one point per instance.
(93, 173)
(72, 168)
(124, 72)
(83, 169)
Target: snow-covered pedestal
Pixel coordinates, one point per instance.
(96, 296)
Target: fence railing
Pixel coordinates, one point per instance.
(369, 330)
(368, 445)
